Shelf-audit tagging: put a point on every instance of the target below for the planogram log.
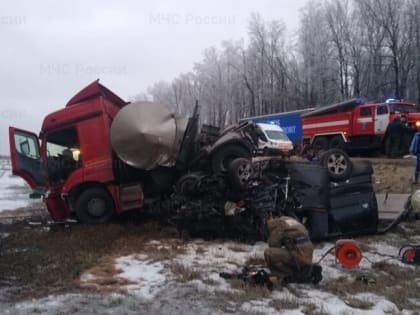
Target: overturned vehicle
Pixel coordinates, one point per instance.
(100, 156)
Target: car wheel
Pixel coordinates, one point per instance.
(221, 160)
(337, 163)
(94, 206)
(320, 143)
(240, 173)
(337, 142)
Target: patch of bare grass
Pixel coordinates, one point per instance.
(313, 309)
(245, 291)
(252, 312)
(184, 273)
(103, 277)
(169, 249)
(40, 263)
(362, 282)
(385, 279)
(209, 281)
(238, 248)
(362, 304)
(287, 303)
(200, 250)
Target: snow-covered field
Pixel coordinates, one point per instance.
(177, 277)
(14, 193)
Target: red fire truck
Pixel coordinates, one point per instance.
(356, 124)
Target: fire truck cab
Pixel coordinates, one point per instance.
(356, 124)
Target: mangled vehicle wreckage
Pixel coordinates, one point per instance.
(101, 156)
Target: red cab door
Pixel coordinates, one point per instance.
(363, 123)
(26, 158)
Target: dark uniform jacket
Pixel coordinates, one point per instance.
(284, 231)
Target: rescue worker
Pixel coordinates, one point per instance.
(394, 133)
(290, 249)
(407, 135)
(415, 150)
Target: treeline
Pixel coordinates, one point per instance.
(343, 49)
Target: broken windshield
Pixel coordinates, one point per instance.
(63, 154)
(276, 135)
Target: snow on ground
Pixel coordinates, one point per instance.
(203, 261)
(145, 278)
(14, 193)
(188, 281)
(153, 286)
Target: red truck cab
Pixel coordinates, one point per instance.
(73, 167)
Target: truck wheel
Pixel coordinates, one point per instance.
(337, 142)
(337, 163)
(94, 206)
(187, 185)
(221, 160)
(320, 143)
(240, 172)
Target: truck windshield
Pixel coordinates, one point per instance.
(403, 108)
(276, 135)
(63, 154)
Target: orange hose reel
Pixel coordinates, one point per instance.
(348, 253)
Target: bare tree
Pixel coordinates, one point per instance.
(344, 48)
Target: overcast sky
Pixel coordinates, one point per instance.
(52, 49)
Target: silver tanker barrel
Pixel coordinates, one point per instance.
(146, 135)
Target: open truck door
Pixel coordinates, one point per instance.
(26, 158)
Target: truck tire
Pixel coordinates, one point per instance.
(337, 142)
(187, 185)
(240, 172)
(320, 143)
(221, 160)
(337, 163)
(94, 206)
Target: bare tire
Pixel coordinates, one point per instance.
(240, 173)
(337, 142)
(188, 184)
(320, 143)
(337, 163)
(221, 160)
(94, 206)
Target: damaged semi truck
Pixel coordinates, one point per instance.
(100, 156)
